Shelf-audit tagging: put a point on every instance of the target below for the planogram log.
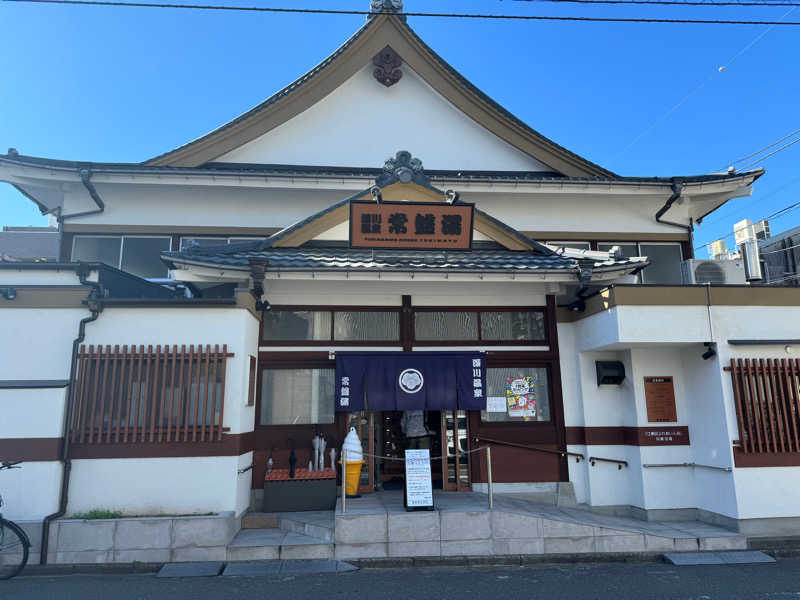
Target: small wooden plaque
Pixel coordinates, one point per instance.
(659, 393)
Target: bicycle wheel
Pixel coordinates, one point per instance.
(14, 546)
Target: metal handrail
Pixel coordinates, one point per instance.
(688, 464)
(578, 456)
(619, 463)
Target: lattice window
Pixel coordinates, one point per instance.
(153, 394)
(767, 396)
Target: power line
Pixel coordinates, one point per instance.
(768, 3)
(777, 214)
(756, 200)
(774, 152)
(757, 152)
(322, 11)
(781, 250)
(700, 86)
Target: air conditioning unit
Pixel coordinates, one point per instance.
(715, 272)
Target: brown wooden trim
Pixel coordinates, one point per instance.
(30, 449)
(593, 237)
(48, 296)
(743, 460)
(627, 436)
(162, 230)
(231, 444)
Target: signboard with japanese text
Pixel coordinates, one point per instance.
(412, 225)
(659, 394)
(419, 486)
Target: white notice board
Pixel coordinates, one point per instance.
(419, 488)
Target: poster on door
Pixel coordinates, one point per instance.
(521, 397)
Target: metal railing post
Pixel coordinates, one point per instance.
(489, 475)
(344, 480)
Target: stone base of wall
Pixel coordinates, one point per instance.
(126, 540)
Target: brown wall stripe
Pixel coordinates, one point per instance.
(49, 449)
(30, 449)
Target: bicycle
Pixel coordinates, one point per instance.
(14, 542)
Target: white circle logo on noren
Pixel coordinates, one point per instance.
(410, 381)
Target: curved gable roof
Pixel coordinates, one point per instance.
(342, 64)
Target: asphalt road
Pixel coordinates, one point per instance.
(779, 581)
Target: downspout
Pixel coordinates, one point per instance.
(86, 179)
(95, 308)
(677, 190)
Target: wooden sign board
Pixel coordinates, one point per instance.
(419, 486)
(411, 225)
(659, 394)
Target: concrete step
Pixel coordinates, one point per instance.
(274, 543)
(260, 520)
(315, 525)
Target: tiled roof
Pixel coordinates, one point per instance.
(352, 259)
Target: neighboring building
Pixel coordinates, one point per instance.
(308, 277)
(33, 244)
(747, 230)
(780, 257)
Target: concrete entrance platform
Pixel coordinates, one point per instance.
(378, 526)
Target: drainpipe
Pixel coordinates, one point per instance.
(95, 307)
(584, 279)
(677, 190)
(86, 179)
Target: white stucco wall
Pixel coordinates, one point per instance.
(42, 350)
(278, 203)
(358, 118)
(30, 493)
(159, 486)
(390, 293)
(668, 340)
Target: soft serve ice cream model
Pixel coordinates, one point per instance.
(352, 459)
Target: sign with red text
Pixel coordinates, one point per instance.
(412, 225)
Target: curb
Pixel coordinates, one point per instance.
(777, 548)
(90, 569)
(512, 560)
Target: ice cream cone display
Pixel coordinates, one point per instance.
(353, 454)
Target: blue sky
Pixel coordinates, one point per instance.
(123, 84)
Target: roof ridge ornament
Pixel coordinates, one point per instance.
(403, 168)
(387, 66)
(386, 6)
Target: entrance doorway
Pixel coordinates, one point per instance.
(382, 436)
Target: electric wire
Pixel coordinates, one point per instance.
(324, 11)
(777, 214)
(767, 3)
(781, 250)
(774, 152)
(757, 152)
(699, 86)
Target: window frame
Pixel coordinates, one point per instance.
(525, 362)
(546, 341)
(638, 244)
(291, 365)
(331, 341)
(658, 243)
(282, 361)
(121, 237)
